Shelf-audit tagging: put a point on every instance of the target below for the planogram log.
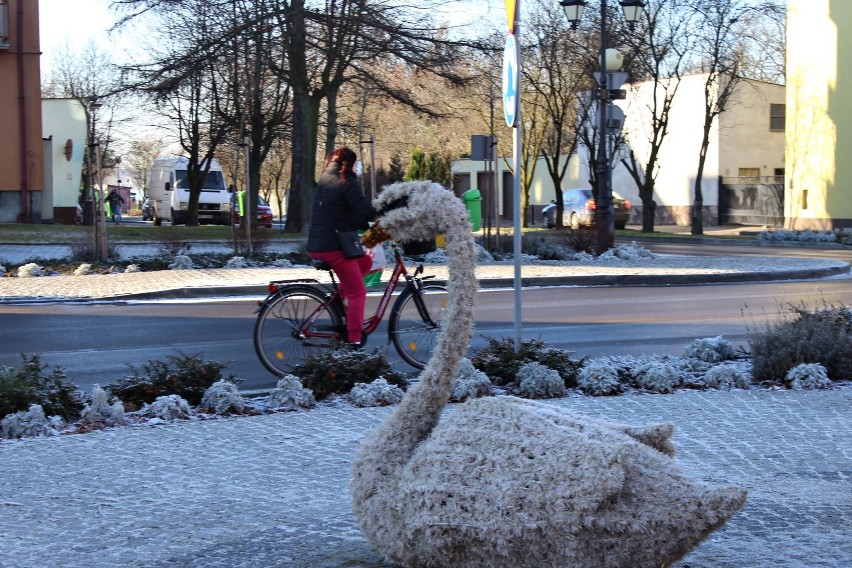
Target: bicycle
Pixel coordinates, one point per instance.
(302, 317)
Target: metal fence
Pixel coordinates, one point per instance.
(751, 200)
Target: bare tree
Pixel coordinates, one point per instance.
(663, 44)
(718, 50)
(562, 76)
(89, 76)
(139, 158)
(763, 34)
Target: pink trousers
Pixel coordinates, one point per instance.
(350, 272)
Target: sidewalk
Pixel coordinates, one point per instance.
(271, 490)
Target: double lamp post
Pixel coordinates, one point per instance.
(607, 90)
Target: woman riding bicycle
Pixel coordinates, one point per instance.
(339, 206)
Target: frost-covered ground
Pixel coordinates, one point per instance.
(271, 490)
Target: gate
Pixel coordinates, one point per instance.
(751, 200)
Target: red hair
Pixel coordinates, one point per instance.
(345, 157)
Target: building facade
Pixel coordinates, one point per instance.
(818, 190)
(746, 145)
(22, 156)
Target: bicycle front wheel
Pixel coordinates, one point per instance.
(415, 322)
(293, 325)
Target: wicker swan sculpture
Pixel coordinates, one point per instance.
(506, 482)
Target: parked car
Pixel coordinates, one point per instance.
(146, 210)
(264, 214)
(579, 210)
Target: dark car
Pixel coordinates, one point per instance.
(579, 210)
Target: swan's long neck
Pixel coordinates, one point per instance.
(389, 448)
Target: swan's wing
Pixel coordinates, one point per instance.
(658, 436)
(492, 462)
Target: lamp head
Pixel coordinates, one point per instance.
(632, 11)
(573, 10)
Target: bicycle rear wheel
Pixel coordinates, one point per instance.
(414, 333)
(283, 339)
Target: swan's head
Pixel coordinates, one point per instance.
(419, 211)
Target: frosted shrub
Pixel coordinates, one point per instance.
(181, 262)
(844, 236)
(377, 393)
(166, 408)
(483, 255)
(282, 263)
(809, 236)
(581, 256)
(32, 422)
(84, 270)
(805, 236)
(101, 412)
(469, 382)
(133, 268)
(598, 378)
(777, 235)
(2, 270)
(710, 349)
(437, 256)
(537, 381)
(627, 252)
(807, 376)
(289, 394)
(726, 377)
(545, 249)
(236, 262)
(656, 375)
(222, 397)
(31, 270)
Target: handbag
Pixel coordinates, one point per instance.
(350, 244)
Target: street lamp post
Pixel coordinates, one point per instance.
(604, 218)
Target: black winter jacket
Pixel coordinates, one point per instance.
(338, 206)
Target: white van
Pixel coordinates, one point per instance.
(168, 192)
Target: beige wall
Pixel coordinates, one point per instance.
(64, 123)
(818, 193)
(745, 140)
(21, 154)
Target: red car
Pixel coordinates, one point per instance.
(264, 214)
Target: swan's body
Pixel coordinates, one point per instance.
(509, 482)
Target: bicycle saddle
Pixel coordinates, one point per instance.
(320, 264)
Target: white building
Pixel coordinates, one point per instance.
(746, 149)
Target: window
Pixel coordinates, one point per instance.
(777, 117)
(4, 25)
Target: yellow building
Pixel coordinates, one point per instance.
(21, 154)
(818, 192)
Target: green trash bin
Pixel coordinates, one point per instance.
(473, 202)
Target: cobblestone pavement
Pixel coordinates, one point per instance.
(271, 490)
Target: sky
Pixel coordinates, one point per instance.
(71, 22)
(76, 22)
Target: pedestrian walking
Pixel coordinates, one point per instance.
(115, 200)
